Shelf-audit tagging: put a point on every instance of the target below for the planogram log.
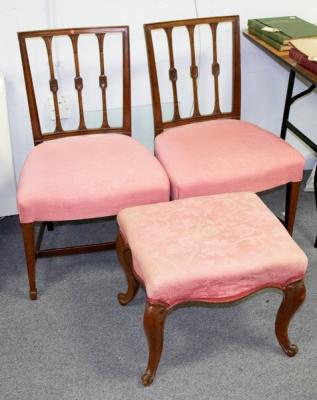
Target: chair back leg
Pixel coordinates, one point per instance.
(292, 191)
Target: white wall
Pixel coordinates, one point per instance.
(264, 82)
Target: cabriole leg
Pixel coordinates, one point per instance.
(294, 296)
(154, 318)
(125, 258)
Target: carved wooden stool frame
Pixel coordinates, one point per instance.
(156, 313)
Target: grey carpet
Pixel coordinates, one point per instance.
(77, 342)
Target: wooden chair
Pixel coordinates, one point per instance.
(216, 153)
(82, 173)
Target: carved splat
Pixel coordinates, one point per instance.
(194, 71)
(193, 68)
(53, 83)
(78, 81)
(215, 68)
(172, 73)
(103, 83)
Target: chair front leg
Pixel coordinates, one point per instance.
(292, 191)
(154, 318)
(294, 296)
(28, 231)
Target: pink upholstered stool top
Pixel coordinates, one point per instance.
(213, 248)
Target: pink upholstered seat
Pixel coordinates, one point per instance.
(88, 176)
(211, 248)
(225, 156)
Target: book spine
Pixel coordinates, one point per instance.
(302, 60)
(269, 40)
(277, 36)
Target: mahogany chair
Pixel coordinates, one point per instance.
(82, 173)
(213, 153)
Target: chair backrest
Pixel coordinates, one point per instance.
(196, 116)
(73, 35)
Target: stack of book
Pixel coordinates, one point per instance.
(304, 52)
(279, 31)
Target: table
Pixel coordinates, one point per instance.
(283, 58)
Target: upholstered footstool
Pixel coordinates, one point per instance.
(214, 249)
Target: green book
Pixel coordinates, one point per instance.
(291, 26)
(279, 37)
(269, 40)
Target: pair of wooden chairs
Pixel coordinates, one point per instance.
(90, 173)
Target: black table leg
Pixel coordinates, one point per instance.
(288, 102)
(315, 191)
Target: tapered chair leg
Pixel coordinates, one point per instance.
(294, 296)
(292, 191)
(154, 318)
(29, 248)
(125, 258)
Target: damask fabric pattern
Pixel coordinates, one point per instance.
(88, 176)
(214, 248)
(225, 156)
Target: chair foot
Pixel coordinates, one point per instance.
(147, 379)
(294, 296)
(33, 294)
(125, 258)
(29, 248)
(154, 318)
(315, 245)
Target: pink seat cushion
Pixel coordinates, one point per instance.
(88, 176)
(212, 248)
(225, 156)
